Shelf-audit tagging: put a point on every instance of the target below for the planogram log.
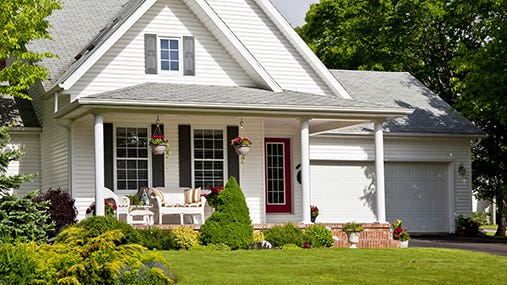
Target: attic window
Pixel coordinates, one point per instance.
(169, 54)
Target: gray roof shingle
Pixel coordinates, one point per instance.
(17, 112)
(431, 113)
(74, 28)
(191, 93)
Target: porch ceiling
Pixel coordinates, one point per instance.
(229, 100)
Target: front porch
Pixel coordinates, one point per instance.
(375, 235)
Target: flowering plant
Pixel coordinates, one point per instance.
(109, 208)
(158, 140)
(212, 197)
(314, 211)
(398, 232)
(239, 141)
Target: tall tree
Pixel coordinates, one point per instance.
(455, 47)
(23, 21)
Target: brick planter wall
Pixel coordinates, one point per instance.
(375, 235)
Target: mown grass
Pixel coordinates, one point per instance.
(336, 266)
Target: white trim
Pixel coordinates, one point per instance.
(302, 48)
(451, 178)
(252, 65)
(180, 55)
(97, 53)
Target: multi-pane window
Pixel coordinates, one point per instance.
(275, 165)
(131, 158)
(169, 54)
(208, 158)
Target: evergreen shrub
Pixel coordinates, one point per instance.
(184, 237)
(230, 223)
(281, 235)
(156, 238)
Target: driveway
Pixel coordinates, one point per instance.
(480, 243)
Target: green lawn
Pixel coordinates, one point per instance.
(336, 266)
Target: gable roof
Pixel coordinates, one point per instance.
(229, 99)
(17, 112)
(77, 33)
(431, 115)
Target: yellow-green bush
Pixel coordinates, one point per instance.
(184, 237)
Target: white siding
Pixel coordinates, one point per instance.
(123, 64)
(29, 163)
(297, 202)
(251, 173)
(269, 46)
(455, 151)
(54, 151)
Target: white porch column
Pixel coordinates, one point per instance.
(379, 170)
(99, 164)
(305, 169)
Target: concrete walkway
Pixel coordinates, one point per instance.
(480, 243)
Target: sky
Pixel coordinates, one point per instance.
(294, 10)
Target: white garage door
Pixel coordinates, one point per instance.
(417, 193)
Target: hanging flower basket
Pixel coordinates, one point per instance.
(159, 145)
(158, 149)
(242, 149)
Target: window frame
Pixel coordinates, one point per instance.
(180, 54)
(224, 151)
(115, 157)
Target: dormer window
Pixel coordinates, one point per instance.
(170, 54)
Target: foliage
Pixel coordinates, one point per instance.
(184, 237)
(456, 48)
(318, 236)
(95, 226)
(230, 222)
(280, 235)
(61, 208)
(291, 246)
(7, 155)
(241, 141)
(352, 227)
(156, 238)
(17, 263)
(398, 232)
(24, 220)
(339, 266)
(468, 225)
(258, 236)
(482, 217)
(314, 211)
(212, 197)
(110, 208)
(23, 21)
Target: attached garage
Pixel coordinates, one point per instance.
(417, 193)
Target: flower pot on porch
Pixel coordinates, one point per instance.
(242, 150)
(353, 238)
(158, 149)
(403, 243)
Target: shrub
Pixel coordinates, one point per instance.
(23, 220)
(184, 237)
(318, 236)
(291, 246)
(61, 208)
(230, 222)
(279, 235)
(468, 226)
(94, 226)
(17, 263)
(156, 238)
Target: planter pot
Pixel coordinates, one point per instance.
(158, 149)
(242, 150)
(313, 219)
(403, 243)
(353, 238)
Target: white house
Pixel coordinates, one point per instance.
(362, 146)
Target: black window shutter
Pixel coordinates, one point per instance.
(185, 155)
(188, 56)
(157, 164)
(108, 156)
(150, 53)
(232, 157)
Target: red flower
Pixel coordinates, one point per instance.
(216, 190)
(307, 245)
